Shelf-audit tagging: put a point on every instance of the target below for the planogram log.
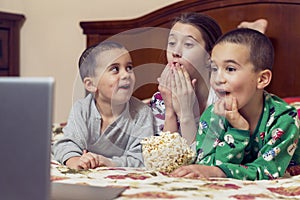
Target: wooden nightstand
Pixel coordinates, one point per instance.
(10, 25)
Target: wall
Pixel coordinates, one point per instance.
(52, 40)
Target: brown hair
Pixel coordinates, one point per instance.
(208, 27)
(260, 46)
(87, 61)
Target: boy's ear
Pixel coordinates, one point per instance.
(89, 84)
(264, 78)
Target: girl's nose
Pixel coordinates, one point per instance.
(177, 51)
(176, 54)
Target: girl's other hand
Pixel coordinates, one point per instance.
(183, 92)
(164, 87)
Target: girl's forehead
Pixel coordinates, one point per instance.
(185, 30)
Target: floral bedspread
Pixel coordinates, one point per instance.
(142, 184)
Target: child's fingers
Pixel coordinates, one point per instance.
(173, 85)
(180, 172)
(184, 79)
(219, 108)
(165, 80)
(181, 77)
(103, 161)
(194, 81)
(168, 81)
(83, 163)
(187, 78)
(93, 161)
(164, 71)
(235, 118)
(234, 104)
(177, 80)
(188, 85)
(228, 102)
(161, 81)
(231, 108)
(164, 75)
(88, 160)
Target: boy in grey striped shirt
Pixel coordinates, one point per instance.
(106, 127)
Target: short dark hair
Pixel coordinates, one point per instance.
(260, 46)
(87, 61)
(208, 27)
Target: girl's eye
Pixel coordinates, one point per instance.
(188, 44)
(171, 43)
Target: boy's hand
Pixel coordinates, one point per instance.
(198, 171)
(89, 160)
(228, 108)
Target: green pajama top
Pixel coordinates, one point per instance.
(264, 155)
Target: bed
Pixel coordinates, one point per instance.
(148, 35)
(147, 184)
(149, 62)
(149, 58)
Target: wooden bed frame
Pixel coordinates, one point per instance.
(283, 30)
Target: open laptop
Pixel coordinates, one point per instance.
(26, 106)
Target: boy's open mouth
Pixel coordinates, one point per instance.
(124, 86)
(222, 93)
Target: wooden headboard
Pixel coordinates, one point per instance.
(283, 30)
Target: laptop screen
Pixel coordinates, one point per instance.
(26, 107)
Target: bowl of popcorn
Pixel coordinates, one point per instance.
(166, 152)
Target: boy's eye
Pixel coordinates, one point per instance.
(114, 69)
(230, 68)
(213, 67)
(129, 68)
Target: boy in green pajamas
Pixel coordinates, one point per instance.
(248, 133)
